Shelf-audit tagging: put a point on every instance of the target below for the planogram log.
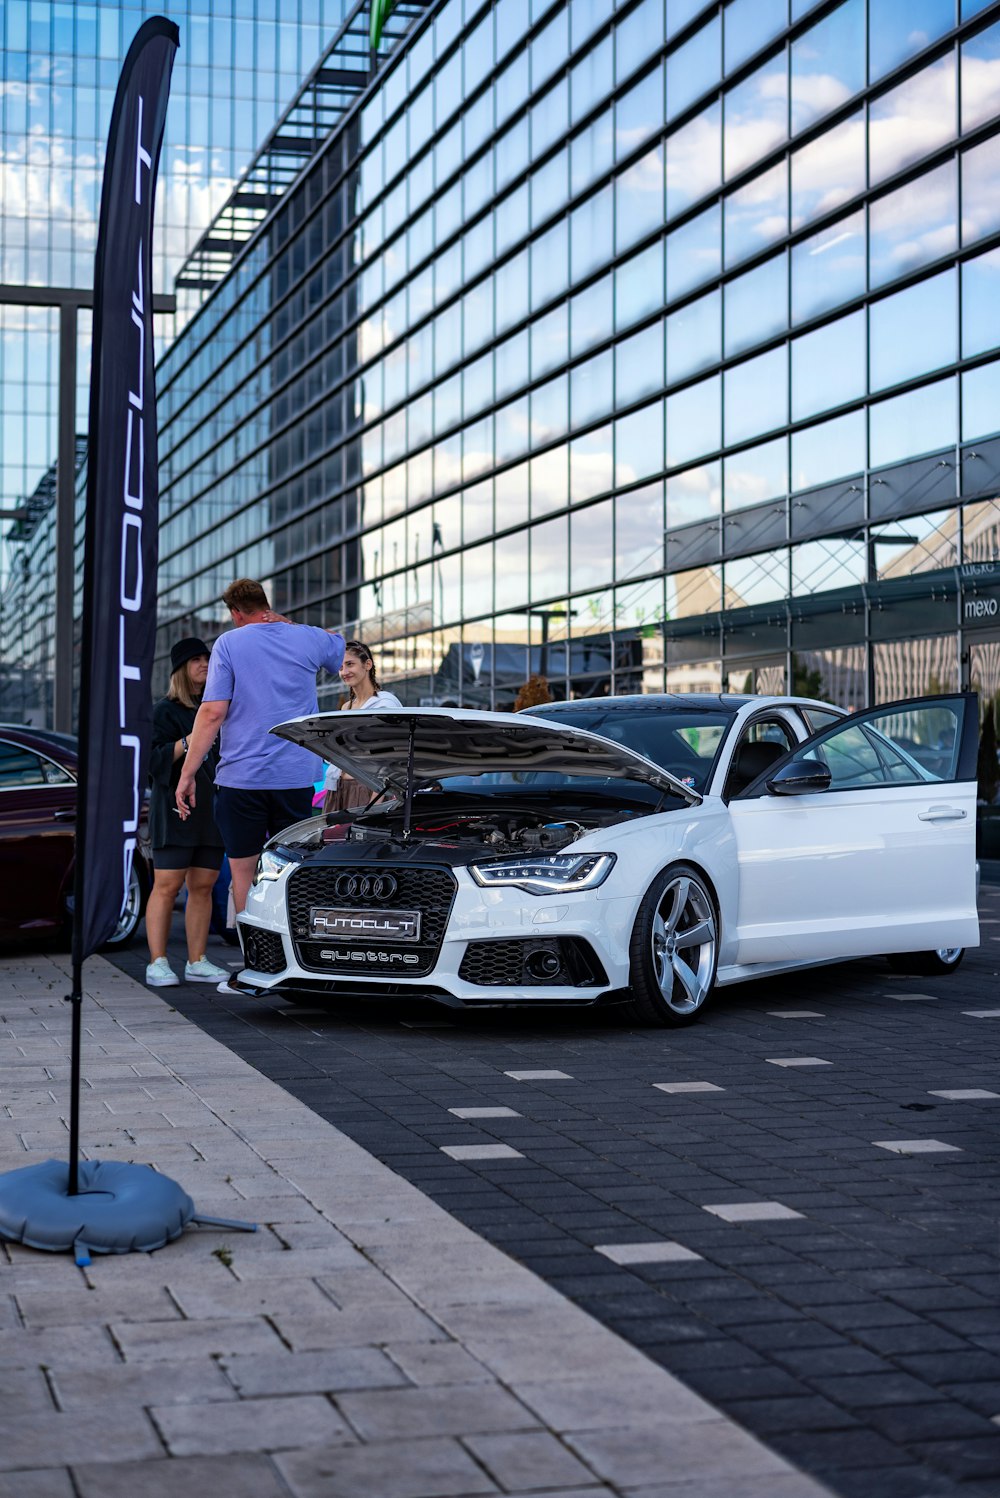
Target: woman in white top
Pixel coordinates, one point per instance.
(343, 793)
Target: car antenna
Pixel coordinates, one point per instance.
(408, 802)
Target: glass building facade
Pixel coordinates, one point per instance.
(240, 63)
(644, 346)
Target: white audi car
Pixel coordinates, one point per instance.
(644, 849)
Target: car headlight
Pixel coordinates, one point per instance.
(558, 874)
(270, 865)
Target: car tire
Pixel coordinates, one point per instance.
(135, 906)
(678, 915)
(927, 964)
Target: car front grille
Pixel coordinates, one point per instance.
(431, 891)
(263, 950)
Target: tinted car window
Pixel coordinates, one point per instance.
(19, 767)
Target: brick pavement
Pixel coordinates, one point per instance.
(858, 1333)
(362, 1344)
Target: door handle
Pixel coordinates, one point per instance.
(65, 814)
(943, 814)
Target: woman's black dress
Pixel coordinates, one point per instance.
(173, 721)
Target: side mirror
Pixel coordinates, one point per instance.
(800, 777)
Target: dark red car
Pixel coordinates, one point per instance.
(38, 772)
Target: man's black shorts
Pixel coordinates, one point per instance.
(247, 819)
(201, 856)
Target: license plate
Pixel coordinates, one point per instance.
(365, 925)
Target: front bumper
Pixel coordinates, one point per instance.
(589, 932)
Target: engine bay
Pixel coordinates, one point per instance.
(501, 828)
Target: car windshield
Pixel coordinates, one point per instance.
(685, 741)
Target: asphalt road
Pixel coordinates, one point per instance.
(848, 1315)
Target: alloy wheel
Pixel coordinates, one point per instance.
(683, 941)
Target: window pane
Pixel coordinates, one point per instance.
(639, 286)
(639, 365)
(913, 225)
(694, 160)
(549, 265)
(694, 422)
(638, 532)
(549, 482)
(757, 305)
(680, 12)
(549, 337)
(749, 24)
(829, 268)
(981, 78)
(829, 171)
(592, 543)
(759, 579)
(756, 115)
(828, 366)
(591, 316)
(592, 153)
(695, 494)
(548, 188)
(757, 214)
(981, 190)
(591, 237)
(693, 337)
(694, 252)
(586, 16)
(895, 354)
(639, 199)
(756, 396)
(549, 558)
(920, 543)
(981, 402)
(899, 28)
(548, 411)
(756, 474)
(639, 114)
(639, 444)
(694, 68)
(591, 465)
(919, 422)
(828, 64)
(638, 37)
(829, 451)
(590, 389)
(592, 79)
(912, 119)
(981, 304)
(833, 563)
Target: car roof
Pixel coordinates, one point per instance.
(49, 737)
(727, 702)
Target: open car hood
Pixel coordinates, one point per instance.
(374, 747)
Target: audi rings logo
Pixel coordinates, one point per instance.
(366, 886)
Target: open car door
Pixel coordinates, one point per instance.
(871, 846)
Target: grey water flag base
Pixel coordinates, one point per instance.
(118, 1209)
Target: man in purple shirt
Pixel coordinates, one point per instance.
(260, 674)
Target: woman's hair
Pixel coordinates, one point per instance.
(355, 647)
(181, 688)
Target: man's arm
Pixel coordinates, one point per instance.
(209, 719)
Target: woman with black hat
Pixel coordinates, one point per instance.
(183, 852)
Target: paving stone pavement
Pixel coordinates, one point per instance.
(363, 1343)
(860, 1338)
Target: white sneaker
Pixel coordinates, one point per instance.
(203, 971)
(229, 985)
(160, 974)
